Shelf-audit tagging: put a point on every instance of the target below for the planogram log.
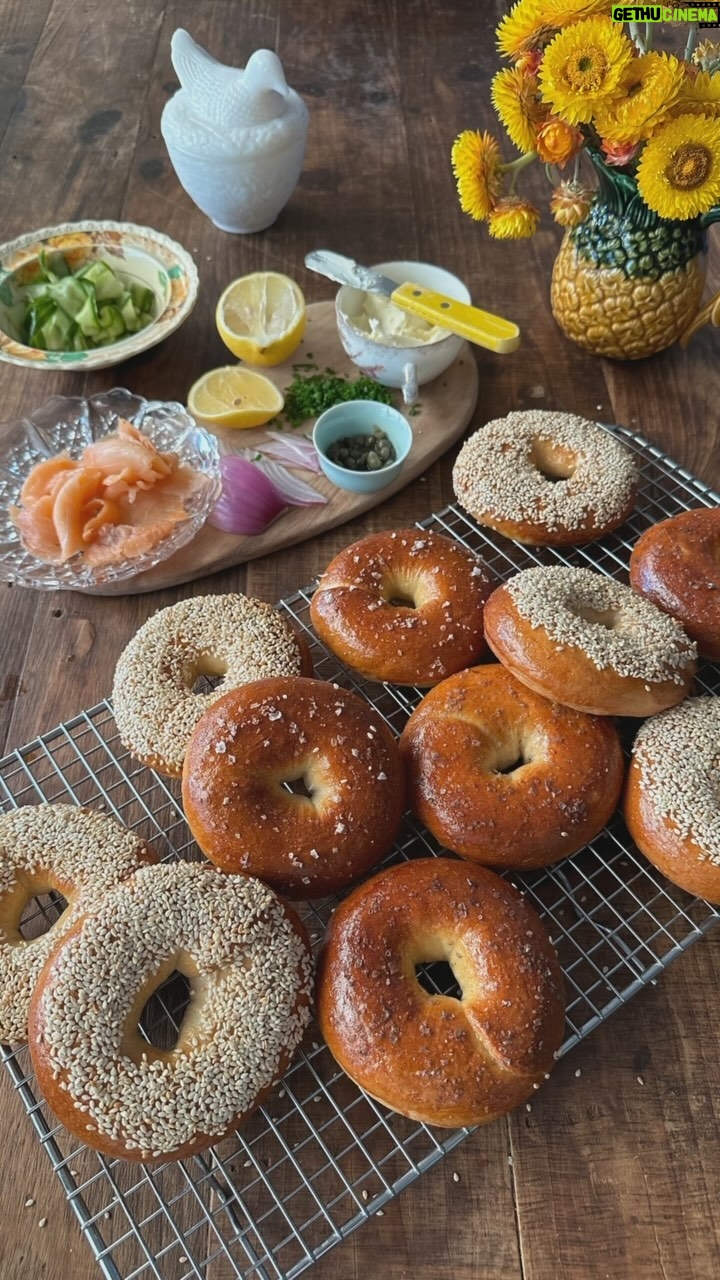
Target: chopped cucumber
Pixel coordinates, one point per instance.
(76, 311)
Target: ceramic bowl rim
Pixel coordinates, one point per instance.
(385, 267)
(170, 257)
(386, 474)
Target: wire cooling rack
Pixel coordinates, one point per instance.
(321, 1157)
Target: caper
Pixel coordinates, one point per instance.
(363, 452)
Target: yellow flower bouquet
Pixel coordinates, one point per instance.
(579, 83)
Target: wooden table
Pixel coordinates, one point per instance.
(614, 1172)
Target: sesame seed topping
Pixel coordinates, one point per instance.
(678, 756)
(497, 475)
(42, 847)
(631, 634)
(252, 977)
(230, 635)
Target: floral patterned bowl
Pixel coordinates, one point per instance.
(137, 254)
(72, 423)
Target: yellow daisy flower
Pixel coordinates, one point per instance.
(649, 86)
(513, 219)
(477, 168)
(679, 171)
(562, 12)
(523, 28)
(700, 96)
(516, 98)
(582, 68)
(531, 23)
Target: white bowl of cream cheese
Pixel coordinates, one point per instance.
(394, 347)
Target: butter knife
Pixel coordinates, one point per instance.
(480, 327)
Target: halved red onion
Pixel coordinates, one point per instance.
(249, 500)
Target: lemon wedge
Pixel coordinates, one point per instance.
(261, 317)
(234, 397)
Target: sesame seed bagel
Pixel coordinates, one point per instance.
(546, 478)
(247, 958)
(327, 743)
(505, 777)
(232, 636)
(672, 800)
(437, 1059)
(46, 847)
(404, 606)
(676, 564)
(589, 642)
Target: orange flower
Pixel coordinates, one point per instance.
(619, 153)
(557, 142)
(529, 62)
(570, 203)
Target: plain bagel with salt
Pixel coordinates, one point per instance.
(438, 1059)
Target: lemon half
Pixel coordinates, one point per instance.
(234, 397)
(261, 317)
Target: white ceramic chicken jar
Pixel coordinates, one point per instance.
(236, 137)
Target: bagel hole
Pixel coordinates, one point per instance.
(207, 674)
(300, 786)
(206, 684)
(40, 914)
(400, 591)
(512, 755)
(510, 767)
(438, 979)
(553, 463)
(606, 618)
(161, 1018)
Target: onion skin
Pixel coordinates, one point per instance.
(249, 501)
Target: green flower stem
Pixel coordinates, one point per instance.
(635, 36)
(514, 167)
(691, 41)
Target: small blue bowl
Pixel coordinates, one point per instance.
(357, 418)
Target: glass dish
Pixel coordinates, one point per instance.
(72, 423)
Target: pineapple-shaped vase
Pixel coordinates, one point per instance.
(627, 283)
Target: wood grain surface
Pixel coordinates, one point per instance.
(614, 1172)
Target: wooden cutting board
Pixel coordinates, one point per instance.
(443, 411)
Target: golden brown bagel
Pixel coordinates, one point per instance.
(247, 957)
(436, 1059)
(505, 777)
(676, 564)
(336, 750)
(672, 808)
(590, 642)
(405, 606)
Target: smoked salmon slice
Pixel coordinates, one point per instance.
(118, 501)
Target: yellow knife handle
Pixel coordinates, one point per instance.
(477, 326)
